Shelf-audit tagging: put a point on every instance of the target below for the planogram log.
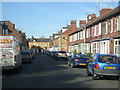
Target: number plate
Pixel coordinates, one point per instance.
(109, 67)
(82, 64)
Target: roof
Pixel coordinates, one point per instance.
(39, 39)
(107, 15)
(76, 31)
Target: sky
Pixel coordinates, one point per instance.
(42, 19)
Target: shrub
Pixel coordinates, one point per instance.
(89, 55)
(75, 51)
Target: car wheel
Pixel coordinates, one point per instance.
(68, 63)
(72, 65)
(88, 72)
(30, 61)
(16, 70)
(56, 58)
(118, 78)
(95, 77)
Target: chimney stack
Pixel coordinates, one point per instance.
(90, 17)
(73, 25)
(82, 23)
(104, 11)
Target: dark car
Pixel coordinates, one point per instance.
(26, 57)
(52, 54)
(103, 65)
(60, 55)
(31, 53)
(77, 60)
(48, 52)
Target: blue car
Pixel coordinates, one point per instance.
(77, 60)
(103, 65)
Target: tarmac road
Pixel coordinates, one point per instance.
(45, 72)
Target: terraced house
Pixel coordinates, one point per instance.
(99, 35)
(7, 27)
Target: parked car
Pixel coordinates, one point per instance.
(52, 54)
(77, 60)
(26, 57)
(10, 57)
(31, 53)
(60, 55)
(103, 65)
(48, 52)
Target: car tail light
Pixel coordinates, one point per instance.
(76, 60)
(15, 58)
(87, 61)
(96, 66)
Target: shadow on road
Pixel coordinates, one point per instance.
(45, 72)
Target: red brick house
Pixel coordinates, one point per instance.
(99, 35)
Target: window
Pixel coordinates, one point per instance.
(92, 31)
(96, 47)
(106, 27)
(103, 27)
(108, 59)
(99, 28)
(111, 26)
(62, 51)
(80, 56)
(116, 42)
(117, 47)
(104, 47)
(78, 36)
(87, 33)
(109, 23)
(95, 30)
(118, 23)
(115, 23)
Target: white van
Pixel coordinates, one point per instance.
(10, 57)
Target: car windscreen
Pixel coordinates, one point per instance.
(108, 59)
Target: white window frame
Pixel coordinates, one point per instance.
(118, 22)
(87, 33)
(106, 27)
(95, 30)
(111, 25)
(104, 47)
(97, 47)
(118, 45)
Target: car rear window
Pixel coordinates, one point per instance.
(62, 52)
(25, 53)
(80, 56)
(108, 59)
